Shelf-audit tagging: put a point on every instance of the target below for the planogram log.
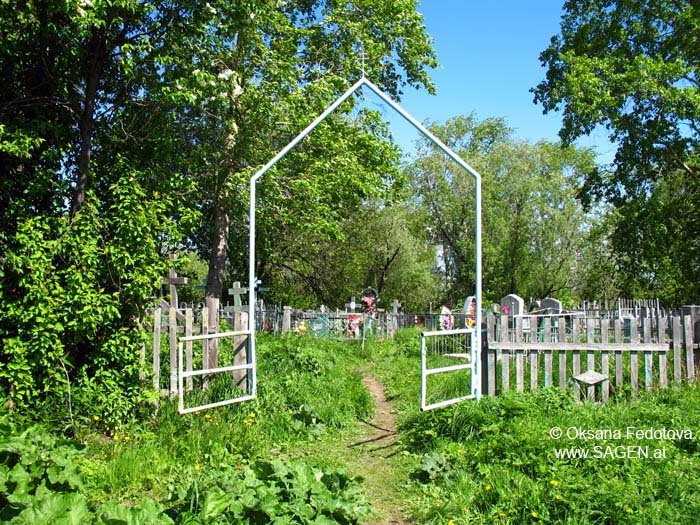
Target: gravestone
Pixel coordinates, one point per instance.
(395, 317)
(512, 305)
(352, 305)
(237, 291)
(550, 306)
(469, 312)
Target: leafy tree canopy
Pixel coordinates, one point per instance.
(634, 67)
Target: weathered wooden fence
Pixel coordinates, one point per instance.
(526, 352)
(169, 324)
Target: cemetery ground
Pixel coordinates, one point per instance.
(335, 436)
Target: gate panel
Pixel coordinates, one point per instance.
(437, 349)
(182, 375)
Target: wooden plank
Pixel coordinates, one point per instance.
(188, 348)
(576, 330)
(205, 345)
(213, 306)
(505, 356)
(172, 340)
(240, 350)
(634, 359)
(590, 356)
(688, 338)
(576, 356)
(561, 330)
(618, 354)
(562, 355)
(595, 347)
(663, 364)
(677, 349)
(519, 370)
(519, 356)
(648, 357)
(534, 357)
(491, 354)
(505, 371)
(492, 363)
(534, 370)
(548, 359)
(156, 348)
(605, 360)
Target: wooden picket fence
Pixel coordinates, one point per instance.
(173, 323)
(527, 352)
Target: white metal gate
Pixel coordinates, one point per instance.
(437, 348)
(251, 379)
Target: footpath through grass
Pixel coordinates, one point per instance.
(323, 444)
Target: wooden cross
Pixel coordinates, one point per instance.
(396, 304)
(237, 291)
(351, 305)
(172, 280)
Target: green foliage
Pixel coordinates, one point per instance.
(74, 292)
(383, 244)
(633, 68)
(40, 483)
(503, 466)
(534, 229)
(273, 492)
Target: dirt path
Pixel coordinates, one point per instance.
(374, 459)
(371, 449)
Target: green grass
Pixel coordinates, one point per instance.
(288, 454)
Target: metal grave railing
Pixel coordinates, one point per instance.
(438, 348)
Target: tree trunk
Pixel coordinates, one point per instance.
(219, 243)
(87, 118)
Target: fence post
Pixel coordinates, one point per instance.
(188, 347)
(213, 307)
(689, 360)
(205, 346)
(240, 348)
(286, 319)
(156, 349)
(172, 339)
(491, 367)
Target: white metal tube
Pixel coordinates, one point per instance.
(446, 403)
(252, 278)
(420, 127)
(215, 405)
(422, 373)
(456, 331)
(208, 371)
(212, 336)
(478, 333)
(431, 371)
(251, 287)
(181, 394)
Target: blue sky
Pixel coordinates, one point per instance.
(489, 59)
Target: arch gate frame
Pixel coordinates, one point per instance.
(252, 278)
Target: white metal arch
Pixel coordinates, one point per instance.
(252, 278)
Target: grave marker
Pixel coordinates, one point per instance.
(237, 291)
(172, 280)
(550, 306)
(512, 305)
